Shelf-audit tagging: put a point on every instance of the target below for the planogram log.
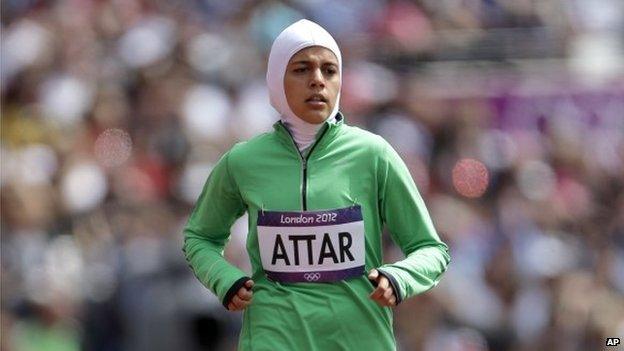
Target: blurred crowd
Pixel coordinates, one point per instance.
(509, 114)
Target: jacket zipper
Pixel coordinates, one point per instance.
(304, 163)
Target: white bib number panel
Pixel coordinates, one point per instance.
(312, 246)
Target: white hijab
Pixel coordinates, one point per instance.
(297, 36)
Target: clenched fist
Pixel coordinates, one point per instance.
(242, 298)
(383, 293)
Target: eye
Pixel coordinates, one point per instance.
(331, 71)
(300, 69)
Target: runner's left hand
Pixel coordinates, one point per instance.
(383, 294)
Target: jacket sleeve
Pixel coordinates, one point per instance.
(208, 230)
(404, 213)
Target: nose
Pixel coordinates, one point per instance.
(317, 80)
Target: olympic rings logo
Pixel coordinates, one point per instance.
(312, 277)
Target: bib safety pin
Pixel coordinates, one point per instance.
(353, 201)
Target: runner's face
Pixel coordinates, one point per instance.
(312, 83)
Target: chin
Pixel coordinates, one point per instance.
(316, 117)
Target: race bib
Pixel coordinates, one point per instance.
(312, 246)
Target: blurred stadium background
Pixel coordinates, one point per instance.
(509, 113)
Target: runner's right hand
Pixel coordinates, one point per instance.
(243, 297)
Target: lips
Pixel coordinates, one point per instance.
(317, 98)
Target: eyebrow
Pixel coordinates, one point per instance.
(307, 62)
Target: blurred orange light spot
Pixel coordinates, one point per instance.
(470, 178)
(113, 147)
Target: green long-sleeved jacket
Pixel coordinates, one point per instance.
(345, 166)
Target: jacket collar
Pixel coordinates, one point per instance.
(326, 133)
